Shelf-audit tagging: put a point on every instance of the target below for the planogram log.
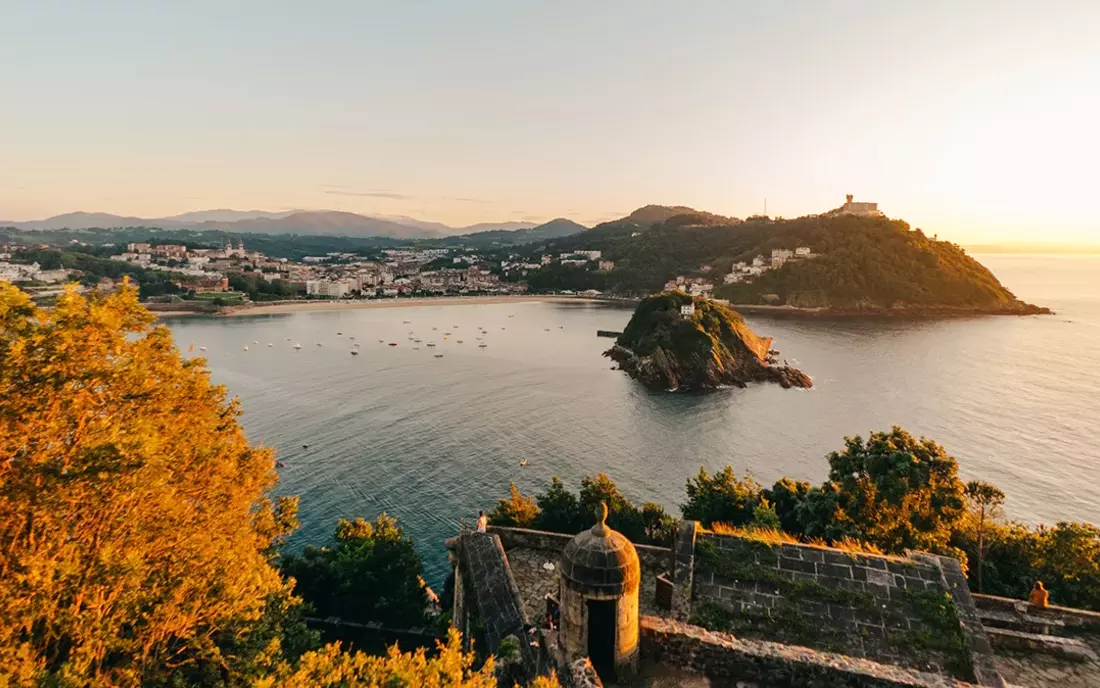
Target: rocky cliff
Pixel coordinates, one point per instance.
(706, 348)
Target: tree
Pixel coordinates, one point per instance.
(135, 523)
(764, 517)
(985, 498)
(622, 515)
(450, 667)
(447, 667)
(371, 574)
(722, 498)
(559, 510)
(898, 492)
(786, 496)
(660, 527)
(518, 510)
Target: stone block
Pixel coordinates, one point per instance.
(837, 571)
(787, 564)
(814, 555)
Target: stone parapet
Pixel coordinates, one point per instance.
(723, 657)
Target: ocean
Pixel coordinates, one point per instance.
(433, 440)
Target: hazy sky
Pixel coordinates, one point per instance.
(977, 120)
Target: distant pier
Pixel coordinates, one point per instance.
(608, 333)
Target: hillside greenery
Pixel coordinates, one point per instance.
(863, 262)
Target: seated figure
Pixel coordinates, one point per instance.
(1040, 597)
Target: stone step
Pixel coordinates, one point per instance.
(1020, 622)
(1067, 648)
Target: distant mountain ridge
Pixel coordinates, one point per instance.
(306, 222)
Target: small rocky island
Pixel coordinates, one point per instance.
(676, 341)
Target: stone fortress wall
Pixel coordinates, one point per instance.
(793, 614)
(895, 610)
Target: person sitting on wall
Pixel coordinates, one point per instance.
(482, 522)
(1040, 597)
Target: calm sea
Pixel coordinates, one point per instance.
(431, 440)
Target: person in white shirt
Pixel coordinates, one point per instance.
(482, 521)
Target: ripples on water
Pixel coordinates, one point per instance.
(432, 440)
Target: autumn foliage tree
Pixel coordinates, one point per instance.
(136, 530)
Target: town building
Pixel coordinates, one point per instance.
(334, 289)
(687, 310)
(607, 265)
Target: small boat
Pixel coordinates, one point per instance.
(255, 341)
(439, 355)
(435, 328)
(246, 347)
(393, 343)
(202, 348)
(355, 352)
(458, 341)
(416, 348)
(381, 341)
(351, 336)
(297, 346)
(356, 344)
(338, 334)
(447, 333)
(561, 327)
(431, 344)
(305, 446)
(418, 340)
(511, 316)
(320, 344)
(288, 339)
(406, 322)
(279, 464)
(269, 344)
(547, 329)
(523, 463)
(482, 345)
(502, 328)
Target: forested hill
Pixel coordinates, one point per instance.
(860, 263)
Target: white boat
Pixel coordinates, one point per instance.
(246, 347)
(255, 341)
(297, 346)
(356, 344)
(202, 348)
(270, 344)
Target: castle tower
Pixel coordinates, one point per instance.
(848, 199)
(600, 577)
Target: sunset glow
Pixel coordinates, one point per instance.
(974, 120)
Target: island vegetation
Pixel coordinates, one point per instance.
(676, 341)
(860, 264)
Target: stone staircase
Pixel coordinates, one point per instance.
(1039, 647)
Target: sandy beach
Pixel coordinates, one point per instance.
(300, 306)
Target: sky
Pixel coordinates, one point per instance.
(975, 120)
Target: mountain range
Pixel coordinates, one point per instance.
(304, 222)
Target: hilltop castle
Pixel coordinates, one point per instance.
(851, 207)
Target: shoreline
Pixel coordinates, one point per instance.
(308, 306)
(913, 312)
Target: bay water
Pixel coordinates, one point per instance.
(432, 440)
